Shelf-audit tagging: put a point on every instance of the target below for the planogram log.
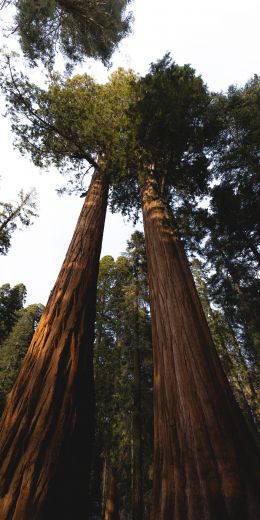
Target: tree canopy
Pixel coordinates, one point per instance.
(120, 120)
(77, 28)
(96, 128)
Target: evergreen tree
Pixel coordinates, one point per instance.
(168, 159)
(13, 214)
(59, 360)
(11, 301)
(77, 28)
(233, 220)
(203, 467)
(244, 379)
(123, 378)
(47, 434)
(15, 346)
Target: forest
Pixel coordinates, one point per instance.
(134, 393)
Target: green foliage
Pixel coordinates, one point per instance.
(14, 348)
(232, 225)
(11, 301)
(118, 311)
(235, 200)
(243, 376)
(11, 215)
(172, 112)
(158, 123)
(77, 28)
(74, 122)
(165, 124)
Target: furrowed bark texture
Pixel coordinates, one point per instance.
(47, 427)
(206, 463)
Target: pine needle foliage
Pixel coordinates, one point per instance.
(77, 28)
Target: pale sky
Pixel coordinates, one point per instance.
(219, 39)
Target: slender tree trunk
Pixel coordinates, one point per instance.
(205, 461)
(111, 511)
(137, 499)
(47, 429)
(248, 405)
(248, 313)
(250, 402)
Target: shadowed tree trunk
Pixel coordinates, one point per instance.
(205, 459)
(137, 499)
(47, 427)
(111, 501)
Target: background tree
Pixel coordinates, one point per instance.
(233, 222)
(124, 380)
(244, 380)
(77, 28)
(11, 215)
(11, 301)
(226, 233)
(15, 346)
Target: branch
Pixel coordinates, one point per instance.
(44, 123)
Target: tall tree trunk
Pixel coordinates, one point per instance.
(137, 498)
(110, 511)
(205, 459)
(47, 428)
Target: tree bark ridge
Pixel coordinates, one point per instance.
(47, 427)
(205, 459)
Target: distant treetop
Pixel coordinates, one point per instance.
(77, 28)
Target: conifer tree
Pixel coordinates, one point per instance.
(13, 214)
(15, 346)
(167, 160)
(123, 379)
(78, 28)
(205, 460)
(233, 224)
(11, 301)
(46, 435)
(59, 440)
(243, 378)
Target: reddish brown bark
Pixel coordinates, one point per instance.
(47, 428)
(111, 502)
(205, 459)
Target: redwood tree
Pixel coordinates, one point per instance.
(205, 461)
(47, 426)
(205, 466)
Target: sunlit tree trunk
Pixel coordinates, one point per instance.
(47, 427)
(205, 461)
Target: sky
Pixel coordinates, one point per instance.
(220, 40)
